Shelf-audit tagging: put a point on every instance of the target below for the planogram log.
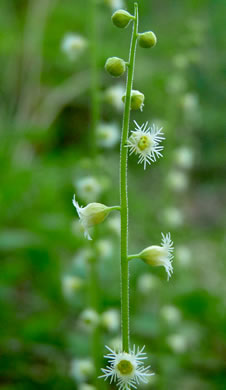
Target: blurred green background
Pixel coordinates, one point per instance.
(49, 151)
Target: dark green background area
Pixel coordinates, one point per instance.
(45, 103)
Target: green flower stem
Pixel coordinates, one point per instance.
(131, 257)
(114, 208)
(123, 190)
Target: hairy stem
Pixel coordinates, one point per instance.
(123, 190)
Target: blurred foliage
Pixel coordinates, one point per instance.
(44, 132)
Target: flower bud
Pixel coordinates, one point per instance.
(147, 39)
(121, 18)
(92, 214)
(115, 66)
(156, 255)
(137, 100)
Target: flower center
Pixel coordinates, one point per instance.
(144, 142)
(125, 367)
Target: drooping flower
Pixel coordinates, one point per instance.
(126, 369)
(159, 255)
(92, 214)
(144, 141)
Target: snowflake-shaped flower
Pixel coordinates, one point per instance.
(144, 141)
(126, 369)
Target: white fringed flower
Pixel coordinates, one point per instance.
(92, 214)
(126, 369)
(144, 141)
(73, 45)
(160, 255)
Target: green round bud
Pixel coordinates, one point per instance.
(137, 100)
(121, 18)
(147, 39)
(115, 66)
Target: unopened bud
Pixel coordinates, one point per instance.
(92, 214)
(121, 18)
(156, 255)
(115, 66)
(147, 39)
(137, 100)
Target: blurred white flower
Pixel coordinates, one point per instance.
(191, 108)
(183, 255)
(171, 314)
(147, 283)
(71, 284)
(184, 157)
(126, 369)
(176, 84)
(177, 342)
(73, 45)
(173, 217)
(113, 95)
(104, 248)
(177, 180)
(181, 61)
(114, 4)
(108, 135)
(85, 386)
(110, 320)
(114, 224)
(88, 188)
(82, 369)
(77, 228)
(144, 141)
(89, 319)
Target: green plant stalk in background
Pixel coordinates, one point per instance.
(95, 100)
(124, 190)
(94, 119)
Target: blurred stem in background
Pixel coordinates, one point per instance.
(94, 119)
(95, 100)
(124, 190)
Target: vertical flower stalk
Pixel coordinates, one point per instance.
(124, 189)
